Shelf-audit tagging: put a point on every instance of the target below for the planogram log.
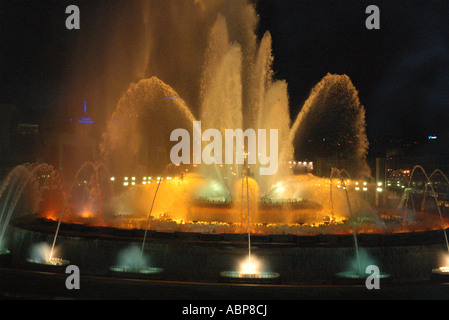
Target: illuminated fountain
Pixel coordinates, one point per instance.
(284, 198)
(250, 268)
(433, 195)
(132, 263)
(235, 89)
(441, 273)
(35, 180)
(129, 263)
(357, 272)
(218, 73)
(41, 258)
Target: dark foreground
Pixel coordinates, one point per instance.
(26, 284)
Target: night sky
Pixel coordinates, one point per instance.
(401, 71)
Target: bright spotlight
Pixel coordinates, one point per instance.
(249, 266)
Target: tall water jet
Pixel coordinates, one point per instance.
(361, 267)
(335, 173)
(13, 186)
(332, 124)
(221, 105)
(149, 217)
(250, 268)
(274, 114)
(141, 125)
(428, 182)
(94, 167)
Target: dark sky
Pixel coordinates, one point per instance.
(401, 71)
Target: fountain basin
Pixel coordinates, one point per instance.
(56, 265)
(440, 275)
(5, 258)
(353, 277)
(136, 273)
(297, 258)
(250, 278)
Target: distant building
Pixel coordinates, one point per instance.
(26, 142)
(77, 143)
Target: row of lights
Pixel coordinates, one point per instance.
(398, 185)
(132, 181)
(299, 162)
(364, 187)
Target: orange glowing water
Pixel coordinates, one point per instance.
(181, 205)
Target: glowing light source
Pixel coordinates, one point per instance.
(85, 120)
(444, 269)
(86, 214)
(249, 266)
